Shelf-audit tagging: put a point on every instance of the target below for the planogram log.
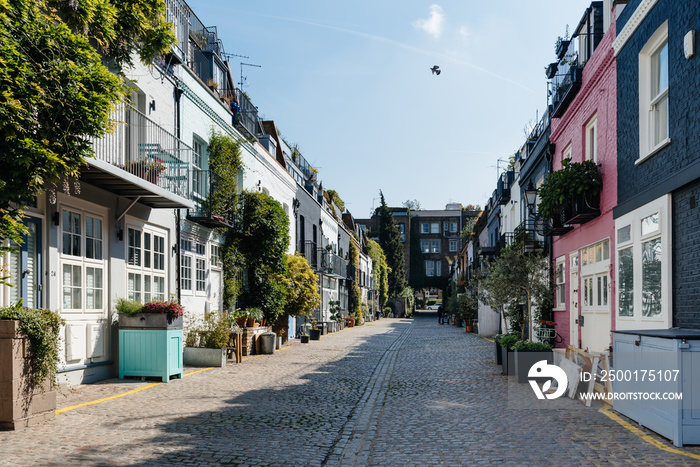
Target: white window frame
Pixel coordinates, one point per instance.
(425, 246)
(566, 154)
(147, 270)
(195, 252)
(81, 262)
(662, 206)
(560, 283)
(435, 246)
(438, 268)
(429, 268)
(595, 277)
(647, 102)
(591, 141)
(434, 227)
(424, 228)
(454, 245)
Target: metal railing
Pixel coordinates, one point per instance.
(311, 254)
(249, 114)
(177, 12)
(334, 264)
(138, 145)
(205, 184)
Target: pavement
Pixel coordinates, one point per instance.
(393, 392)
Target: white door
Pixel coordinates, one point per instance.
(215, 295)
(573, 300)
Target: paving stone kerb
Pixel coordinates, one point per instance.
(395, 392)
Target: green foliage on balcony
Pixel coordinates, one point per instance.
(561, 186)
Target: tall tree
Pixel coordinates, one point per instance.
(390, 241)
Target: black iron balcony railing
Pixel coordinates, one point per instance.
(505, 181)
(143, 148)
(248, 118)
(205, 185)
(526, 235)
(311, 254)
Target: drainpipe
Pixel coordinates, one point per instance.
(177, 94)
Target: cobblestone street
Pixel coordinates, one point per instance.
(401, 392)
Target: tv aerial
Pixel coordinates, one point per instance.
(245, 78)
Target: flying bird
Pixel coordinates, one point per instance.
(435, 70)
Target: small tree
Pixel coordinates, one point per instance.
(301, 283)
(514, 277)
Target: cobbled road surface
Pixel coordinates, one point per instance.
(394, 392)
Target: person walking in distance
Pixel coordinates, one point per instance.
(441, 315)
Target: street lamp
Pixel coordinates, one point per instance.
(531, 198)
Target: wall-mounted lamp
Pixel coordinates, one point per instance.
(531, 198)
(152, 105)
(175, 248)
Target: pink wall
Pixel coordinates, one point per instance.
(597, 96)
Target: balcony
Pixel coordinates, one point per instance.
(557, 226)
(139, 159)
(573, 55)
(248, 119)
(526, 235)
(311, 254)
(177, 13)
(204, 185)
(505, 181)
(333, 265)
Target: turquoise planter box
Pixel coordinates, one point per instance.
(150, 352)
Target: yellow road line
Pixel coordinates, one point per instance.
(649, 439)
(116, 396)
(127, 393)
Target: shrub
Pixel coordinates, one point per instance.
(531, 346)
(128, 307)
(509, 341)
(42, 329)
(171, 309)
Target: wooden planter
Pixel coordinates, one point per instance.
(150, 345)
(20, 407)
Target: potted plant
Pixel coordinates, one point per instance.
(156, 326)
(241, 318)
(255, 315)
(304, 336)
(575, 182)
(314, 332)
(507, 342)
(497, 341)
(154, 167)
(205, 345)
(158, 314)
(527, 354)
(29, 339)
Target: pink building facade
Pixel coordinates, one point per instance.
(583, 258)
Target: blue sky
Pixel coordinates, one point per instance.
(350, 83)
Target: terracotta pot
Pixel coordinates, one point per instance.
(241, 322)
(469, 328)
(251, 323)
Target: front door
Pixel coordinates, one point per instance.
(25, 267)
(216, 286)
(573, 300)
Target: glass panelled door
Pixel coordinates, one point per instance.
(25, 267)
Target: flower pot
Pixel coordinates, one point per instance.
(152, 176)
(469, 327)
(507, 363)
(315, 334)
(304, 339)
(499, 355)
(524, 359)
(201, 357)
(241, 322)
(251, 323)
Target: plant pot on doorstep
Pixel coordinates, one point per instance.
(315, 334)
(304, 338)
(499, 355)
(524, 359)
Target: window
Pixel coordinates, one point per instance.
(402, 231)
(201, 274)
(592, 140)
(454, 245)
(82, 261)
(145, 264)
(560, 290)
(653, 94)
(186, 272)
(438, 268)
(424, 228)
(567, 153)
(425, 246)
(643, 266)
(215, 257)
(435, 227)
(430, 268)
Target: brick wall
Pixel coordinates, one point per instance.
(684, 94)
(686, 256)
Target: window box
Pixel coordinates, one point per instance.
(552, 70)
(562, 47)
(583, 208)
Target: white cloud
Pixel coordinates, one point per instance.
(464, 32)
(432, 25)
